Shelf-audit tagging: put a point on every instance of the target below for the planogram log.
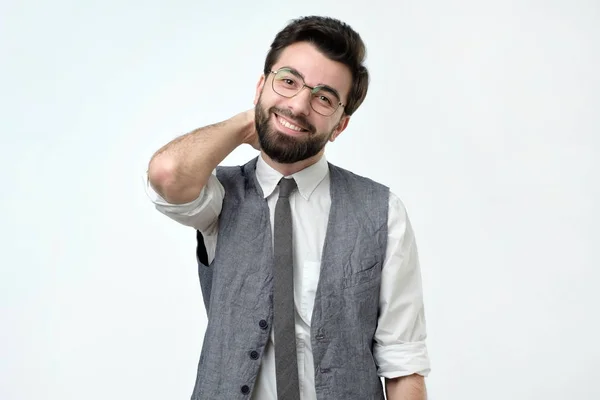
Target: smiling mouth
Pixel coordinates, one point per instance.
(282, 121)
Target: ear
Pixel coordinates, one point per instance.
(259, 88)
(340, 127)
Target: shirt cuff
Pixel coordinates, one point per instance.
(403, 359)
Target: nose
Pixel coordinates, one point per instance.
(300, 103)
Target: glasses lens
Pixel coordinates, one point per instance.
(324, 101)
(287, 84)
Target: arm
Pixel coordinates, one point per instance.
(400, 338)
(410, 387)
(179, 170)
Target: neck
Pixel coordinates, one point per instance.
(290, 169)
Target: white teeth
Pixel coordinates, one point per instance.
(288, 125)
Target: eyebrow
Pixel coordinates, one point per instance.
(323, 86)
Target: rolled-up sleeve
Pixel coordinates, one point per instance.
(400, 347)
(201, 213)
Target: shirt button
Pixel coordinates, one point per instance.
(254, 355)
(263, 324)
(245, 389)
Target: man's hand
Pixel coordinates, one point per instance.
(410, 387)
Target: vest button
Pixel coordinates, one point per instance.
(245, 389)
(254, 355)
(263, 324)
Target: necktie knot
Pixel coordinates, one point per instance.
(286, 187)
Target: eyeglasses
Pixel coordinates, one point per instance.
(323, 99)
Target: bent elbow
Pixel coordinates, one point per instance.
(161, 174)
(165, 179)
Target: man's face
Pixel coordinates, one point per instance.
(289, 129)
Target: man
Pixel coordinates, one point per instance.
(309, 273)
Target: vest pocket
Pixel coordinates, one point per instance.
(364, 276)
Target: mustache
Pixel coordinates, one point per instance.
(296, 118)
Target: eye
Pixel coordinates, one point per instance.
(325, 99)
(286, 79)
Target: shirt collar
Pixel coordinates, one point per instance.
(307, 179)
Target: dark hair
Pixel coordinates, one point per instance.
(337, 41)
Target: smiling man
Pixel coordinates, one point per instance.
(309, 273)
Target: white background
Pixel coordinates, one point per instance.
(482, 116)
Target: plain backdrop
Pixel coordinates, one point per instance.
(483, 116)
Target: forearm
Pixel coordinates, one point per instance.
(410, 387)
(180, 169)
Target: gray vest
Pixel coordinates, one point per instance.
(237, 290)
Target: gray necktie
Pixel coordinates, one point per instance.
(286, 365)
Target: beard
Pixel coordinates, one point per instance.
(286, 149)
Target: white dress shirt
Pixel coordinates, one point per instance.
(400, 347)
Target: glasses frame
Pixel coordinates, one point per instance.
(304, 85)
